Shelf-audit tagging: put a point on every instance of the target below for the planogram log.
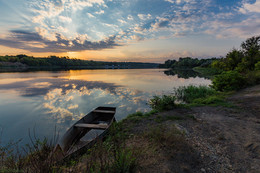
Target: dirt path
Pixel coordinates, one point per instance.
(228, 139)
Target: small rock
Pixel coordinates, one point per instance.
(203, 170)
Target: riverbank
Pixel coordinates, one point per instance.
(220, 137)
(196, 139)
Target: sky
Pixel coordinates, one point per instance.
(126, 30)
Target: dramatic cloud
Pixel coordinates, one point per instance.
(38, 42)
(247, 7)
(76, 25)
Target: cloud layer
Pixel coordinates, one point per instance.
(76, 25)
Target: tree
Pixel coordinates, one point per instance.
(233, 58)
(251, 49)
(252, 43)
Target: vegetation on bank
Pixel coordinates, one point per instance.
(238, 69)
(66, 62)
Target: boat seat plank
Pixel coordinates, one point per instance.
(104, 111)
(92, 126)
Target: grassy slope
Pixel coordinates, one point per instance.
(146, 143)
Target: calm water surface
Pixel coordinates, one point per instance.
(43, 100)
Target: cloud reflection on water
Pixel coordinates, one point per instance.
(60, 98)
(65, 100)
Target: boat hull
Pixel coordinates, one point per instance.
(72, 145)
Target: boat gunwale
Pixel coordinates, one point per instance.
(67, 154)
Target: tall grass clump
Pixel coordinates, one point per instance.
(9, 157)
(166, 102)
(190, 93)
(32, 158)
(111, 155)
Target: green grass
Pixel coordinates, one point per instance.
(189, 93)
(165, 102)
(201, 95)
(138, 116)
(187, 96)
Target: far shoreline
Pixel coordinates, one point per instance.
(59, 68)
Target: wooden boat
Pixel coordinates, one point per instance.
(73, 143)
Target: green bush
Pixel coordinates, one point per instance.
(189, 93)
(257, 66)
(166, 102)
(229, 81)
(253, 77)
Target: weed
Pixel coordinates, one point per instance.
(9, 154)
(201, 95)
(189, 93)
(166, 102)
(124, 161)
(36, 157)
(111, 155)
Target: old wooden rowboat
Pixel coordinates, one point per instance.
(73, 143)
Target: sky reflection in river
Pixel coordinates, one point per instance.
(43, 100)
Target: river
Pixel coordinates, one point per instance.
(41, 101)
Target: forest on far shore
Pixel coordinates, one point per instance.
(66, 62)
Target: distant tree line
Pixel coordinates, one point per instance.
(187, 62)
(66, 62)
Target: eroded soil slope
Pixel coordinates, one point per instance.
(228, 138)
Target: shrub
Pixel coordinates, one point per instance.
(228, 81)
(166, 102)
(257, 66)
(189, 93)
(253, 77)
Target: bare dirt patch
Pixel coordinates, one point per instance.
(228, 138)
(222, 139)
